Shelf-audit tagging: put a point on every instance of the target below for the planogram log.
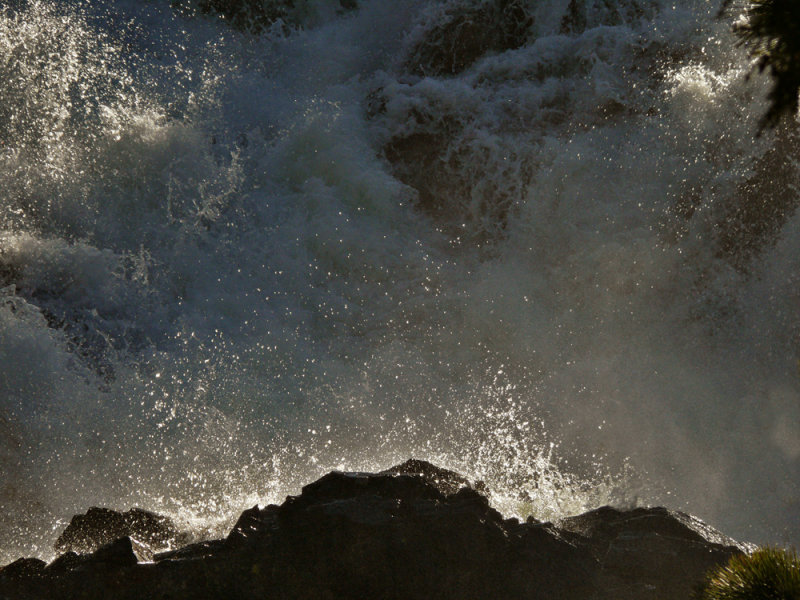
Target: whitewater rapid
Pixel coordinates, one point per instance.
(230, 262)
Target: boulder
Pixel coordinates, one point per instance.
(23, 568)
(21, 579)
(588, 14)
(650, 552)
(118, 553)
(466, 31)
(100, 526)
(435, 156)
(113, 555)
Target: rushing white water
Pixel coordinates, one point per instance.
(230, 262)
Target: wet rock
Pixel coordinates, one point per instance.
(398, 535)
(253, 526)
(446, 481)
(118, 553)
(23, 568)
(248, 15)
(466, 31)
(447, 153)
(437, 158)
(20, 579)
(68, 561)
(192, 551)
(99, 526)
(340, 486)
(254, 16)
(412, 531)
(586, 14)
(113, 555)
(650, 553)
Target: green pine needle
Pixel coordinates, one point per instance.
(770, 31)
(766, 574)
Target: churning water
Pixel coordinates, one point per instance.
(558, 260)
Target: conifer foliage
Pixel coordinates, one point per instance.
(770, 31)
(766, 574)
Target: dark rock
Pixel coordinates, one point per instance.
(412, 531)
(467, 31)
(650, 553)
(248, 15)
(253, 525)
(439, 149)
(100, 526)
(19, 579)
(586, 14)
(196, 550)
(340, 486)
(118, 553)
(436, 157)
(24, 567)
(398, 536)
(66, 562)
(253, 16)
(113, 555)
(446, 481)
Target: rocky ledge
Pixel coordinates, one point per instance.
(413, 531)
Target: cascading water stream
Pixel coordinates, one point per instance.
(554, 257)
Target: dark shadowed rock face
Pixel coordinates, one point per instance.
(412, 531)
(247, 15)
(400, 535)
(650, 553)
(435, 154)
(583, 14)
(111, 556)
(465, 32)
(100, 526)
(446, 481)
(253, 16)
(23, 568)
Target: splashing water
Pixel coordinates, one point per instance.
(232, 261)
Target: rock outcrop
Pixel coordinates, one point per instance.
(466, 31)
(100, 526)
(413, 531)
(650, 553)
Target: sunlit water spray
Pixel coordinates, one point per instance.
(230, 263)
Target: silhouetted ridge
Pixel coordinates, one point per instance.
(412, 531)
